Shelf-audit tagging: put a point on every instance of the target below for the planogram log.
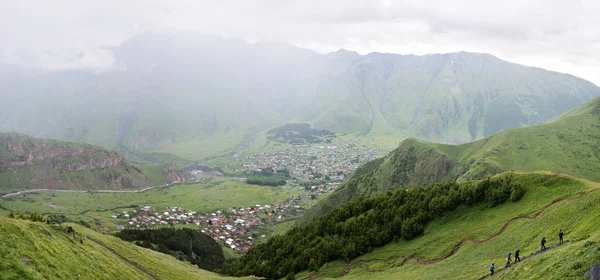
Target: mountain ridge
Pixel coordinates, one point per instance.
(182, 91)
(567, 144)
(31, 163)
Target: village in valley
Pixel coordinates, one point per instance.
(313, 162)
(314, 171)
(235, 227)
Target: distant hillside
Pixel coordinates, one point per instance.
(194, 96)
(34, 250)
(31, 163)
(568, 144)
(451, 98)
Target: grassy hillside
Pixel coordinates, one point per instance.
(33, 250)
(361, 225)
(568, 144)
(463, 243)
(32, 163)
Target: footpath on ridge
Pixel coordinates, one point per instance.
(130, 262)
(524, 259)
(364, 263)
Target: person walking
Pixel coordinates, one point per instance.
(492, 270)
(543, 245)
(560, 237)
(508, 260)
(517, 259)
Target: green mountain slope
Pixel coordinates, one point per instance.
(567, 144)
(453, 98)
(34, 250)
(462, 244)
(195, 96)
(31, 163)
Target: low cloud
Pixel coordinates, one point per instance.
(557, 35)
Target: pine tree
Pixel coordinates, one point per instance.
(11, 215)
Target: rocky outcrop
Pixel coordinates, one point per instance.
(23, 150)
(30, 163)
(174, 177)
(89, 163)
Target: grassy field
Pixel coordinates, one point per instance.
(551, 203)
(33, 250)
(217, 193)
(204, 147)
(166, 158)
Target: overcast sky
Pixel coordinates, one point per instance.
(558, 35)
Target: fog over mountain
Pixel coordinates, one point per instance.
(279, 139)
(173, 87)
(556, 35)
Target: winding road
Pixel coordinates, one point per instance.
(76, 191)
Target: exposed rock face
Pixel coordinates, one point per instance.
(174, 177)
(30, 163)
(61, 155)
(91, 163)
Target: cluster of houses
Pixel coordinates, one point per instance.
(311, 162)
(236, 227)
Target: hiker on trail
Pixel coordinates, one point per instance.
(508, 260)
(543, 245)
(492, 270)
(517, 259)
(560, 236)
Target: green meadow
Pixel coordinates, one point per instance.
(216, 193)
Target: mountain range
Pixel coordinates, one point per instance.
(181, 92)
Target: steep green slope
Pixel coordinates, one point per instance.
(452, 98)
(568, 144)
(359, 226)
(462, 244)
(34, 250)
(31, 163)
(196, 96)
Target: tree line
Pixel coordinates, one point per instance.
(268, 177)
(359, 226)
(184, 244)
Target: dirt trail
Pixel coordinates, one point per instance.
(132, 263)
(524, 259)
(422, 260)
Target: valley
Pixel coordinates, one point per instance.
(230, 93)
(245, 218)
(197, 156)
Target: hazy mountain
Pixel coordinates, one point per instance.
(453, 98)
(175, 88)
(568, 144)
